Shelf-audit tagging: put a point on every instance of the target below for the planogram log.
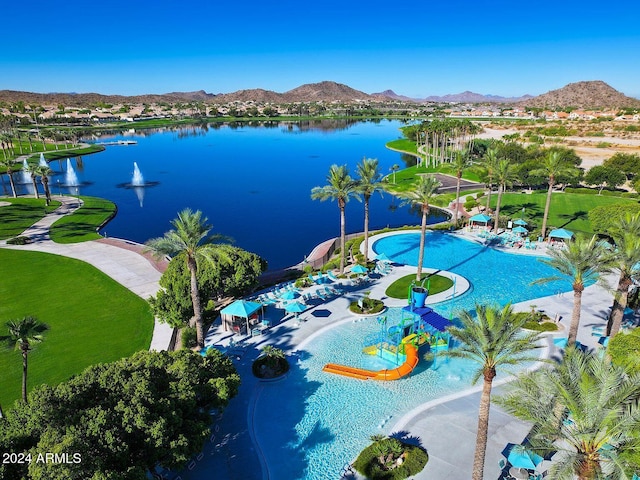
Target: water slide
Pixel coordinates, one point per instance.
(394, 374)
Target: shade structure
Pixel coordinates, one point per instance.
(521, 457)
(480, 218)
(359, 269)
(382, 257)
(520, 230)
(561, 233)
(520, 222)
(295, 307)
(242, 309)
(290, 295)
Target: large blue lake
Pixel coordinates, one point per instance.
(252, 182)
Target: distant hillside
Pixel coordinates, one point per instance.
(390, 94)
(591, 94)
(85, 99)
(471, 97)
(327, 91)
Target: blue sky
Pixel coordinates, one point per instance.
(416, 48)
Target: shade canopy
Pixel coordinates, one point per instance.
(561, 233)
(290, 295)
(520, 230)
(480, 218)
(295, 307)
(520, 222)
(242, 308)
(382, 257)
(359, 269)
(521, 457)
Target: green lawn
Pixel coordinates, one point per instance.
(81, 226)
(568, 210)
(21, 214)
(92, 318)
(400, 288)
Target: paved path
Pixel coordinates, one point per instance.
(124, 264)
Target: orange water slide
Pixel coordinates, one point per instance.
(394, 374)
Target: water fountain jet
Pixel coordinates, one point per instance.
(71, 179)
(137, 180)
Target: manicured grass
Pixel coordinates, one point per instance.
(21, 214)
(403, 145)
(92, 318)
(81, 226)
(400, 288)
(73, 152)
(568, 210)
(407, 177)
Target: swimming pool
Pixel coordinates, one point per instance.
(313, 423)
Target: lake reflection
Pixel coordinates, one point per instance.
(253, 182)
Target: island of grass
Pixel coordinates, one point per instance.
(400, 288)
(92, 318)
(21, 214)
(83, 224)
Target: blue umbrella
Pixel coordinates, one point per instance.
(520, 222)
(561, 233)
(359, 269)
(521, 457)
(295, 307)
(520, 230)
(382, 258)
(289, 295)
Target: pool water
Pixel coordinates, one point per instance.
(311, 424)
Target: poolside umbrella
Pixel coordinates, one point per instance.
(520, 222)
(382, 258)
(289, 295)
(521, 457)
(359, 269)
(295, 307)
(561, 233)
(520, 230)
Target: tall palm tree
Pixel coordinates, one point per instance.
(603, 415)
(494, 340)
(553, 166)
(44, 172)
(369, 182)
(425, 190)
(394, 168)
(504, 175)
(490, 163)
(626, 260)
(459, 164)
(190, 239)
(341, 188)
(8, 164)
(32, 169)
(581, 262)
(23, 334)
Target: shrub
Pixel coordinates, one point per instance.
(540, 326)
(414, 459)
(189, 337)
(369, 306)
(271, 363)
(624, 348)
(21, 240)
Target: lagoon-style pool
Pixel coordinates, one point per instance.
(311, 424)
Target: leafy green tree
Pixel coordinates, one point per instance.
(554, 165)
(122, 418)
(505, 175)
(603, 417)
(627, 163)
(23, 334)
(581, 262)
(493, 339)
(369, 182)
(424, 191)
(604, 176)
(190, 237)
(626, 260)
(341, 188)
(236, 277)
(8, 164)
(604, 217)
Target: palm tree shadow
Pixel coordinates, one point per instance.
(579, 215)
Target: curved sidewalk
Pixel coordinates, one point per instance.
(125, 266)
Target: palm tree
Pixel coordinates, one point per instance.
(626, 259)
(494, 340)
(44, 172)
(553, 166)
(599, 400)
(394, 168)
(581, 262)
(490, 163)
(341, 187)
(425, 190)
(8, 164)
(459, 163)
(190, 239)
(32, 169)
(23, 334)
(369, 182)
(504, 175)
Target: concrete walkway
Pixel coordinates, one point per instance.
(123, 264)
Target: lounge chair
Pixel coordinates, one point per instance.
(331, 276)
(321, 295)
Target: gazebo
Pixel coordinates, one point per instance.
(560, 234)
(480, 219)
(240, 311)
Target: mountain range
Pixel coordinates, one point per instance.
(588, 94)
